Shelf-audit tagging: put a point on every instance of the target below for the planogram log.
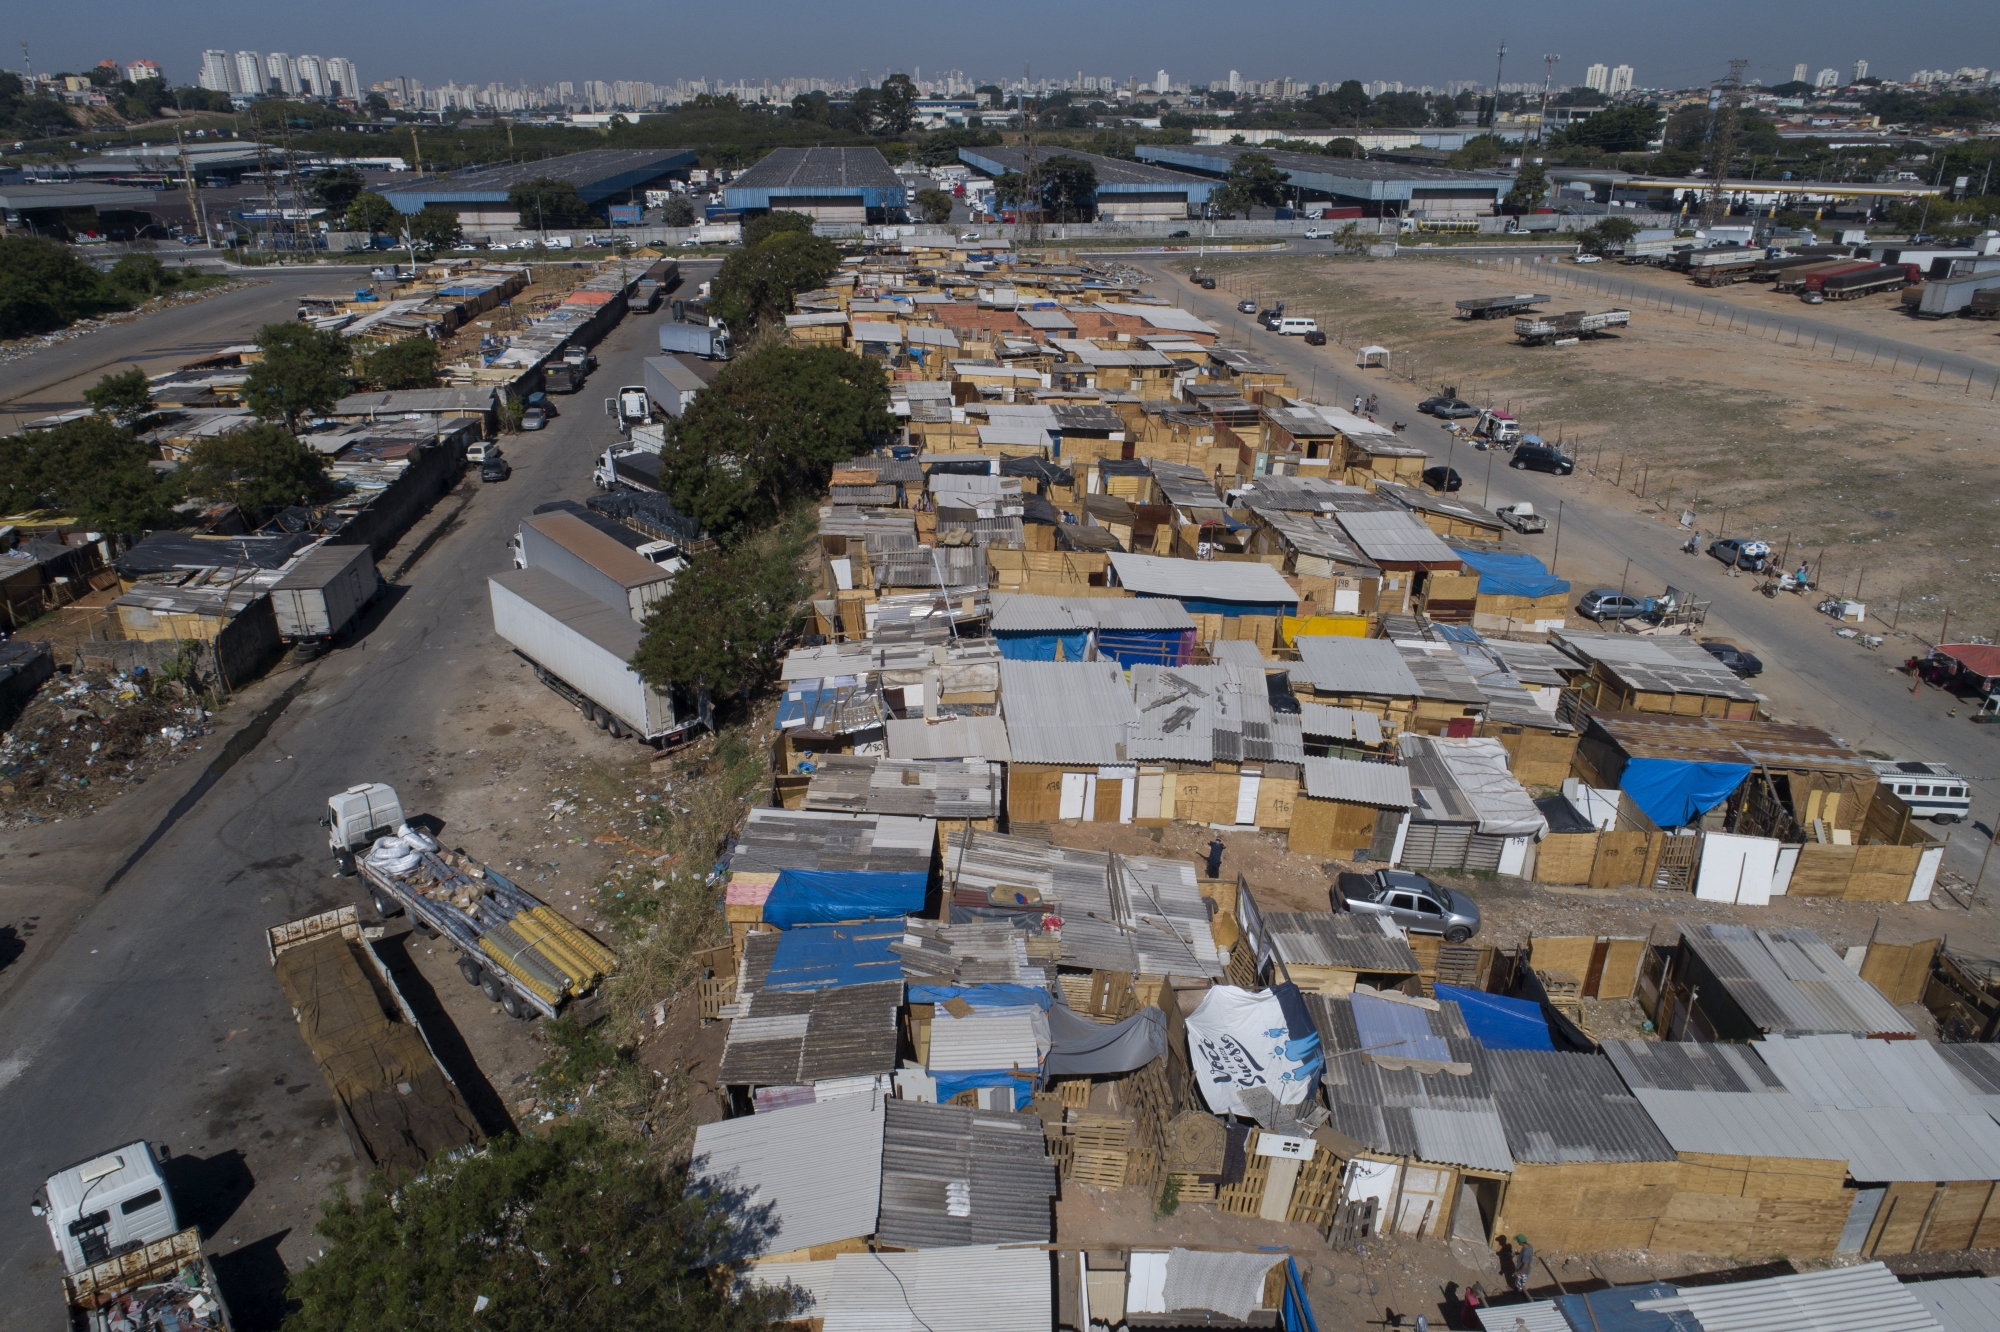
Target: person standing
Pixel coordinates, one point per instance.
(1524, 1262)
(1215, 858)
(1357, 404)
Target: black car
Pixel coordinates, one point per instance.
(1742, 664)
(1208, 284)
(495, 469)
(1542, 458)
(1179, 235)
(1428, 403)
(1442, 478)
(1316, 338)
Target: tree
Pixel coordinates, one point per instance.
(1531, 186)
(1621, 129)
(44, 286)
(1343, 147)
(1349, 103)
(1480, 151)
(410, 363)
(1069, 188)
(571, 1229)
(370, 212)
(776, 222)
(1253, 181)
(139, 276)
(935, 206)
(258, 468)
(940, 147)
(91, 469)
(125, 397)
(302, 370)
(756, 284)
(546, 202)
(1609, 233)
(435, 228)
(335, 189)
(677, 211)
(895, 105)
(769, 429)
(724, 625)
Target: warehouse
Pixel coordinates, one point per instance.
(853, 185)
(1382, 189)
(602, 176)
(1126, 191)
(116, 212)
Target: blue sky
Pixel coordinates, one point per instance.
(510, 40)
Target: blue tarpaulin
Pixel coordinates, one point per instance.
(1512, 574)
(951, 1084)
(1040, 645)
(1499, 1023)
(1675, 792)
(1230, 610)
(813, 897)
(983, 996)
(825, 957)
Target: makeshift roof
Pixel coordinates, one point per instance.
(1790, 981)
(1472, 773)
(1450, 506)
(1295, 494)
(1982, 659)
(1960, 1304)
(1721, 1099)
(1511, 573)
(1067, 712)
(1339, 723)
(1665, 665)
(1337, 939)
(1895, 1110)
(962, 789)
(953, 1176)
(1440, 675)
(1357, 782)
(816, 1168)
(980, 1288)
(1834, 1299)
(949, 737)
(781, 839)
(1569, 1107)
(1366, 666)
(1205, 714)
(1025, 612)
(1202, 580)
(1396, 537)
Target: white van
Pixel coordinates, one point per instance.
(482, 450)
(1931, 790)
(1298, 326)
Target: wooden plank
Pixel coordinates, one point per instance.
(1569, 953)
(1899, 971)
(1566, 858)
(1621, 968)
(1620, 861)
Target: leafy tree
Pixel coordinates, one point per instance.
(274, 114)
(1253, 181)
(335, 189)
(410, 363)
(44, 286)
(725, 624)
(258, 468)
(1069, 188)
(756, 284)
(1343, 147)
(1531, 186)
(1580, 96)
(895, 105)
(678, 211)
(760, 229)
(934, 206)
(1444, 112)
(1622, 129)
(813, 106)
(1481, 150)
(371, 212)
(139, 276)
(571, 1229)
(546, 202)
(435, 228)
(940, 147)
(769, 429)
(302, 370)
(1607, 234)
(90, 468)
(1349, 102)
(125, 397)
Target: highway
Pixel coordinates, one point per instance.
(149, 1011)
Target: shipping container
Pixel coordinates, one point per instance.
(626, 215)
(323, 591)
(593, 563)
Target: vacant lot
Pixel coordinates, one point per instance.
(1888, 477)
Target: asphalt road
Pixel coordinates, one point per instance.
(1810, 675)
(153, 1014)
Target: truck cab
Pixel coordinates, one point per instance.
(631, 407)
(106, 1206)
(357, 816)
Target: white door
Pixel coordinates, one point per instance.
(1246, 797)
(1075, 785)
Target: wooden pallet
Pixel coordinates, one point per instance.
(1062, 1151)
(1074, 1093)
(1460, 965)
(1099, 1133)
(1241, 969)
(1142, 1167)
(1100, 1166)
(1195, 1190)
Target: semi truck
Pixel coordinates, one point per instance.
(663, 551)
(1729, 267)
(526, 956)
(1795, 279)
(582, 650)
(126, 1260)
(1563, 329)
(322, 594)
(397, 1104)
(710, 341)
(592, 562)
(1863, 282)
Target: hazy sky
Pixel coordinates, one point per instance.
(511, 40)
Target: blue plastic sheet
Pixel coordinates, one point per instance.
(1499, 1023)
(813, 897)
(1230, 610)
(1396, 1031)
(1511, 574)
(951, 1084)
(825, 957)
(1674, 792)
(1037, 645)
(983, 996)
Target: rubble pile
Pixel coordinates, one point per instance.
(84, 736)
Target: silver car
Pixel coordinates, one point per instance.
(1410, 900)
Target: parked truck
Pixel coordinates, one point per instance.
(1495, 307)
(525, 955)
(582, 649)
(126, 1260)
(663, 551)
(1795, 279)
(397, 1104)
(1863, 282)
(594, 563)
(710, 341)
(1564, 329)
(631, 407)
(322, 594)
(1724, 267)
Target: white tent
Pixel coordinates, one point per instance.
(1372, 356)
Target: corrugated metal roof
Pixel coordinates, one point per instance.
(1340, 723)
(1668, 665)
(1301, 494)
(989, 1038)
(1386, 785)
(1391, 1030)
(1395, 537)
(1534, 663)
(818, 1168)
(1477, 773)
(1077, 882)
(1337, 939)
(1067, 712)
(949, 789)
(1838, 1299)
(1234, 651)
(954, 1176)
(1788, 980)
(949, 737)
(782, 839)
(1370, 666)
(1960, 1304)
(1534, 1316)
(1446, 1117)
(1026, 612)
(788, 1038)
(1314, 535)
(1203, 580)
(1895, 1109)
(1440, 675)
(1739, 1124)
(1199, 714)
(1158, 901)
(1569, 1107)
(973, 1289)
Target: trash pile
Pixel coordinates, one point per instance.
(183, 1303)
(83, 737)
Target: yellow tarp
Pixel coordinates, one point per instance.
(1321, 626)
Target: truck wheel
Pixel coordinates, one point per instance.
(386, 909)
(343, 864)
(494, 990)
(602, 718)
(618, 731)
(471, 970)
(514, 1006)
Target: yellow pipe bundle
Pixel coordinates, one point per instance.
(538, 936)
(591, 951)
(505, 948)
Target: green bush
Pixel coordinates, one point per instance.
(44, 287)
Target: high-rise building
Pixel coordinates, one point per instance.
(280, 74)
(247, 73)
(312, 76)
(1860, 71)
(1799, 72)
(1596, 77)
(1235, 82)
(1160, 82)
(341, 78)
(215, 71)
(1827, 78)
(1621, 80)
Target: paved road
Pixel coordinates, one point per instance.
(1810, 676)
(155, 1015)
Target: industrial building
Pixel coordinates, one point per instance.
(602, 176)
(117, 212)
(827, 184)
(1380, 189)
(1126, 191)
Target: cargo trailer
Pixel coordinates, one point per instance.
(1496, 307)
(1865, 282)
(1795, 279)
(323, 592)
(1843, 276)
(1562, 329)
(698, 339)
(1942, 297)
(594, 563)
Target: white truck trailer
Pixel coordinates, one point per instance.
(588, 560)
(1564, 329)
(322, 593)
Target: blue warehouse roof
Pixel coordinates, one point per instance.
(1340, 177)
(816, 173)
(1114, 175)
(599, 175)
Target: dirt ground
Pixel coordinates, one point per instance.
(1882, 478)
(83, 738)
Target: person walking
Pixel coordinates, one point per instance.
(1215, 858)
(1357, 404)
(1524, 1262)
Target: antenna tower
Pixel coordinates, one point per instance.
(1725, 95)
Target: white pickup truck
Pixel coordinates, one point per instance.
(1522, 517)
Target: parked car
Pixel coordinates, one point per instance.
(1542, 458)
(1741, 663)
(1179, 235)
(1208, 284)
(495, 469)
(1608, 603)
(1588, 259)
(1522, 517)
(1290, 327)
(1246, 306)
(1314, 233)
(1749, 556)
(534, 418)
(1443, 478)
(1411, 900)
(1452, 409)
(482, 450)
(1269, 318)
(1316, 338)
(1428, 403)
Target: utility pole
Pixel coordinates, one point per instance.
(1548, 82)
(1723, 99)
(194, 199)
(1032, 178)
(1493, 120)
